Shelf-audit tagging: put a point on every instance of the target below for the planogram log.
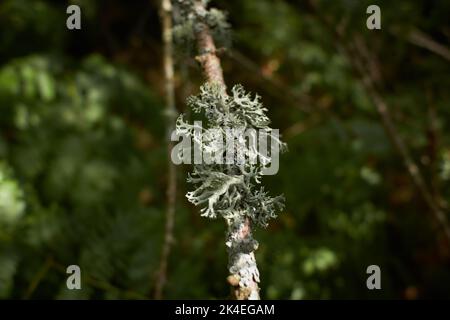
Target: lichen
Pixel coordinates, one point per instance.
(189, 17)
(231, 189)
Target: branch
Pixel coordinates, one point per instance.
(206, 47)
(166, 19)
(244, 274)
(39, 276)
(433, 137)
(421, 39)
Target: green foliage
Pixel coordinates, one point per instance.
(76, 144)
(12, 205)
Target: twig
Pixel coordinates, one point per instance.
(432, 132)
(421, 39)
(38, 278)
(166, 19)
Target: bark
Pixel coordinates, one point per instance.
(207, 57)
(244, 274)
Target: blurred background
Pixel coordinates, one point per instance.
(83, 164)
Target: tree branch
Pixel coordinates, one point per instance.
(421, 39)
(207, 57)
(166, 19)
(244, 274)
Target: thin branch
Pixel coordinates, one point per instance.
(245, 284)
(38, 278)
(421, 39)
(433, 139)
(166, 19)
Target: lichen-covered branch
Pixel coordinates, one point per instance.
(244, 273)
(228, 189)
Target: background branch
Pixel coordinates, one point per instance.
(171, 191)
(421, 39)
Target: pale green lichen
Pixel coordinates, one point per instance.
(231, 190)
(189, 17)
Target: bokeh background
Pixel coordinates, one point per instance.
(83, 165)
